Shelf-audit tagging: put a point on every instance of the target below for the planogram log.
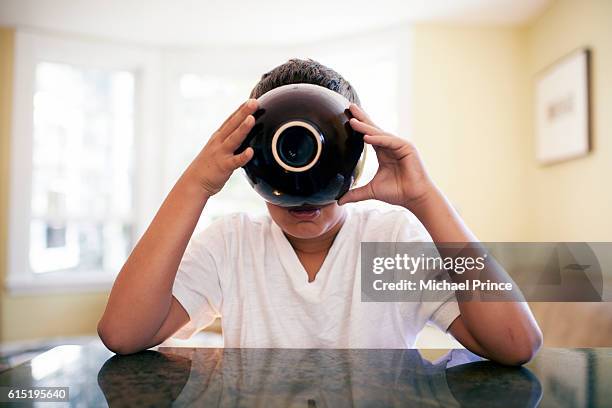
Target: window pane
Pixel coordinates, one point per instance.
(81, 168)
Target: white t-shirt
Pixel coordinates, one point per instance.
(244, 269)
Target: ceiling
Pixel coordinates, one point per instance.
(243, 22)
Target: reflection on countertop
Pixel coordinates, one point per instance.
(316, 378)
(311, 378)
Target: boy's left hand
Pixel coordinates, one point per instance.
(401, 178)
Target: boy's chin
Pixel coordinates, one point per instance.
(304, 230)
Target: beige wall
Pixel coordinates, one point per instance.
(469, 122)
(6, 92)
(29, 317)
(573, 201)
(473, 99)
(473, 122)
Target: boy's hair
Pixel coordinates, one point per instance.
(299, 71)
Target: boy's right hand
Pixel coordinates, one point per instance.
(216, 162)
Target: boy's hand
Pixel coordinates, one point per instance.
(401, 178)
(216, 161)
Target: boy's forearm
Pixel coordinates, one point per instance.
(141, 307)
(142, 294)
(502, 331)
(439, 218)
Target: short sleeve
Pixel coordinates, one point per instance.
(197, 286)
(440, 313)
(446, 313)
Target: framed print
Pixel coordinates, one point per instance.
(562, 110)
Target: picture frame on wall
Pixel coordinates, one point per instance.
(562, 109)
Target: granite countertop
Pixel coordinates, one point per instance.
(315, 378)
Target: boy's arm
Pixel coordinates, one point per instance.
(141, 311)
(502, 331)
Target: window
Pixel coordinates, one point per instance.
(101, 134)
(200, 103)
(75, 206)
(82, 157)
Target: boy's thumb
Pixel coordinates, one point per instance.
(357, 194)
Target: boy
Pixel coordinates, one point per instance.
(292, 279)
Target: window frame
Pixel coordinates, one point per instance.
(32, 47)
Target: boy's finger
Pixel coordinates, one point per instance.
(233, 141)
(243, 158)
(357, 194)
(236, 118)
(361, 115)
(231, 116)
(384, 141)
(363, 127)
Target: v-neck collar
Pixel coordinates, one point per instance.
(292, 264)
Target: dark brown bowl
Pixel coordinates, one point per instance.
(306, 152)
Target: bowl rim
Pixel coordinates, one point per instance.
(311, 129)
